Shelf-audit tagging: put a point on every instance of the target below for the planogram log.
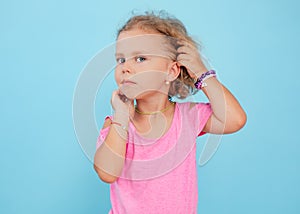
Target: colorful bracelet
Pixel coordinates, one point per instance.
(199, 82)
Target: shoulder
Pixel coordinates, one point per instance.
(107, 122)
(194, 106)
(196, 112)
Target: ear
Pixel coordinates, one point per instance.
(173, 71)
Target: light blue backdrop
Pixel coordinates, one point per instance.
(44, 45)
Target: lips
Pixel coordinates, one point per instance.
(125, 82)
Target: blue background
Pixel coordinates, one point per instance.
(44, 45)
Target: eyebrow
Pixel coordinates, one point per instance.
(134, 53)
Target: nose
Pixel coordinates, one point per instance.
(126, 67)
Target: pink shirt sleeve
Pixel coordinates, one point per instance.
(204, 112)
(102, 135)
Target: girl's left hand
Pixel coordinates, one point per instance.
(189, 57)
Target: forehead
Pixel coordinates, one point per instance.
(138, 41)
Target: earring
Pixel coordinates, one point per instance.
(167, 82)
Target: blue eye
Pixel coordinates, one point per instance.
(120, 60)
(140, 59)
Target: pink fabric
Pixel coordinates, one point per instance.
(160, 176)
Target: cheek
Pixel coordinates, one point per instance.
(151, 79)
(118, 77)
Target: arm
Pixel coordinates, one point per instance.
(109, 157)
(228, 115)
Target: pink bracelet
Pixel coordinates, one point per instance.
(199, 82)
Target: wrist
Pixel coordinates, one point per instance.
(200, 72)
(120, 122)
(120, 125)
(121, 116)
(199, 83)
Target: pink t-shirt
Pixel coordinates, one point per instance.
(159, 175)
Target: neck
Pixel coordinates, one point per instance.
(153, 105)
(154, 112)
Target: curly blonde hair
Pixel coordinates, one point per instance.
(174, 30)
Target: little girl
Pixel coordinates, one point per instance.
(146, 150)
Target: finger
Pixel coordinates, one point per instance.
(184, 63)
(123, 98)
(192, 53)
(183, 57)
(114, 93)
(113, 98)
(185, 43)
(189, 51)
(183, 49)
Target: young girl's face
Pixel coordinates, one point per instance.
(143, 64)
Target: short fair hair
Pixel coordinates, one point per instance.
(165, 24)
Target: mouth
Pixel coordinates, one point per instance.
(127, 82)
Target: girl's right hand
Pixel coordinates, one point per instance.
(121, 104)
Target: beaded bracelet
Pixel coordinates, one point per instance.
(199, 82)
